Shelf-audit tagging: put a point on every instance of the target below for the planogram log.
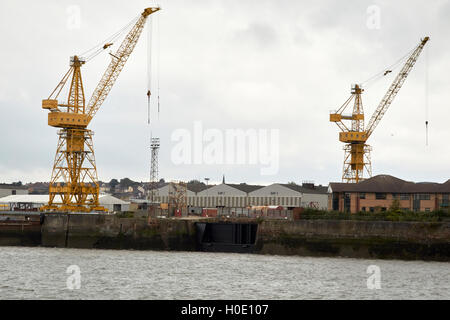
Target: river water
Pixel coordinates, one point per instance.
(48, 273)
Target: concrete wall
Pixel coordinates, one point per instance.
(112, 232)
(321, 200)
(359, 239)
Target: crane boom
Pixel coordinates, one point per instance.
(394, 88)
(117, 63)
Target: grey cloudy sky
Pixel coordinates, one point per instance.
(232, 65)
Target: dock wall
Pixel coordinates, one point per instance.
(345, 238)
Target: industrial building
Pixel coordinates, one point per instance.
(243, 195)
(32, 202)
(12, 189)
(381, 192)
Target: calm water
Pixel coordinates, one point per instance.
(40, 273)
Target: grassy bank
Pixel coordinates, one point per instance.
(389, 215)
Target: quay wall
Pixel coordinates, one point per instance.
(344, 238)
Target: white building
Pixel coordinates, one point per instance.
(35, 201)
(224, 195)
(10, 189)
(244, 195)
(291, 195)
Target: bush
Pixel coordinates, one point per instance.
(393, 214)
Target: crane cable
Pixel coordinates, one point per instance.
(426, 96)
(149, 64)
(367, 83)
(158, 64)
(100, 47)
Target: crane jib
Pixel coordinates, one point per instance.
(394, 88)
(117, 63)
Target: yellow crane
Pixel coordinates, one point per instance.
(357, 152)
(74, 179)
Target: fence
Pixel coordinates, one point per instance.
(255, 213)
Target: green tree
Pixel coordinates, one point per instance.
(112, 185)
(395, 206)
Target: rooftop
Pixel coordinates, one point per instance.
(390, 184)
(12, 186)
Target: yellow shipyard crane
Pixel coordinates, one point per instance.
(74, 185)
(357, 152)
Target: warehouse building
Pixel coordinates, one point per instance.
(306, 195)
(243, 195)
(379, 193)
(12, 189)
(32, 202)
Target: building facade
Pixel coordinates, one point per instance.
(382, 192)
(244, 195)
(12, 189)
(32, 202)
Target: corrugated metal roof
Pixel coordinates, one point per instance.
(302, 189)
(244, 187)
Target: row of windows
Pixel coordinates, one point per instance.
(400, 196)
(372, 209)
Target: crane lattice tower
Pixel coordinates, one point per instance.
(177, 196)
(74, 185)
(153, 186)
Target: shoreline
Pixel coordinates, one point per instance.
(426, 241)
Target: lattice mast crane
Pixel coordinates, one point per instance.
(357, 153)
(74, 175)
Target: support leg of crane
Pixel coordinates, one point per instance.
(74, 186)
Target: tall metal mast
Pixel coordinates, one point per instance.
(153, 194)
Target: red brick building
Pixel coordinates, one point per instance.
(379, 193)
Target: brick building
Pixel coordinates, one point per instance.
(379, 193)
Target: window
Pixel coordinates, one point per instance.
(380, 196)
(427, 210)
(347, 202)
(362, 195)
(423, 196)
(363, 209)
(372, 209)
(404, 196)
(395, 196)
(14, 192)
(383, 209)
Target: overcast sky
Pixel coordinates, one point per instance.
(231, 64)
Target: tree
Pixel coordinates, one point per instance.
(112, 185)
(195, 182)
(395, 206)
(126, 182)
